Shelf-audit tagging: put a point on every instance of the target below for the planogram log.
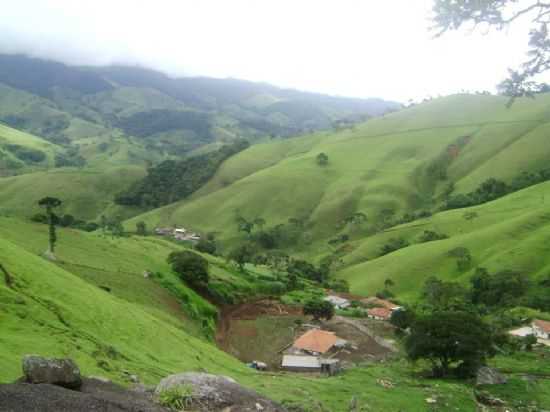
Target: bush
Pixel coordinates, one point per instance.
(393, 245)
(319, 309)
(206, 246)
(430, 236)
(191, 267)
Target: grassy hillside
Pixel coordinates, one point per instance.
(86, 193)
(511, 233)
(393, 165)
(22, 152)
(58, 310)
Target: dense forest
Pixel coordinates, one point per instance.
(173, 180)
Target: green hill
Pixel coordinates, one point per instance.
(511, 233)
(397, 164)
(22, 152)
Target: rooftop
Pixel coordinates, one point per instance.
(383, 313)
(316, 340)
(544, 325)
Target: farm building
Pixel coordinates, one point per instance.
(338, 302)
(301, 363)
(379, 313)
(296, 363)
(539, 328)
(373, 301)
(316, 341)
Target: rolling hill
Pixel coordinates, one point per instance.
(399, 165)
(170, 116)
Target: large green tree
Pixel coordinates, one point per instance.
(50, 203)
(319, 309)
(191, 267)
(499, 14)
(449, 338)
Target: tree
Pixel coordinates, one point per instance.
(50, 203)
(191, 267)
(141, 228)
(388, 283)
(402, 318)
(260, 222)
(443, 295)
(114, 225)
(322, 159)
(241, 255)
(447, 338)
(319, 309)
(452, 15)
(206, 246)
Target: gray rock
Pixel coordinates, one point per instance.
(218, 393)
(489, 376)
(60, 372)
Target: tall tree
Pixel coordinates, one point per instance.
(453, 14)
(448, 338)
(50, 203)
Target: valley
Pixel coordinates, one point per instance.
(288, 199)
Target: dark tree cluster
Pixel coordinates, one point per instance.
(393, 245)
(190, 267)
(319, 309)
(26, 154)
(172, 180)
(144, 124)
(66, 220)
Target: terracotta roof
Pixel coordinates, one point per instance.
(316, 340)
(543, 324)
(380, 302)
(383, 313)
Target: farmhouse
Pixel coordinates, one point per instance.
(301, 363)
(316, 341)
(541, 329)
(379, 313)
(338, 302)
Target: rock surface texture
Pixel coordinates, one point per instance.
(489, 376)
(211, 393)
(61, 372)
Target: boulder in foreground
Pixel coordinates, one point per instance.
(214, 393)
(60, 372)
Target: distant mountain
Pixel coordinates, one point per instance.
(169, 116)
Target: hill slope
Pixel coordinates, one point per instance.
(401, 163)
(57, 310)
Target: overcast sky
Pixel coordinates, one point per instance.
(359, 48)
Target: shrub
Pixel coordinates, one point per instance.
(191, 267)
(393, 245)
(319, 309)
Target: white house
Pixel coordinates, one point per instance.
(301, 363)
(338, 302)
(541, 329)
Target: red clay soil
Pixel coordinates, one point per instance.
(249, 311)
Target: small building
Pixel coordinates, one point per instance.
(379, 313)
(337, 301)
(164, 231)
(330, 366)
(316, 341)
(541, 329)
(522, 332)
(301, 363)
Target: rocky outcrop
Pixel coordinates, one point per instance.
(211, 393)
(93, 395)
(489, 376)
(60, 372)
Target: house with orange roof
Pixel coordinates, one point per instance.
(379, 313)
(541, 329)
(316, 341)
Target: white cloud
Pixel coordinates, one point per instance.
(346, 47)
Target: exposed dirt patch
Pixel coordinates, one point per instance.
(263, 330)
